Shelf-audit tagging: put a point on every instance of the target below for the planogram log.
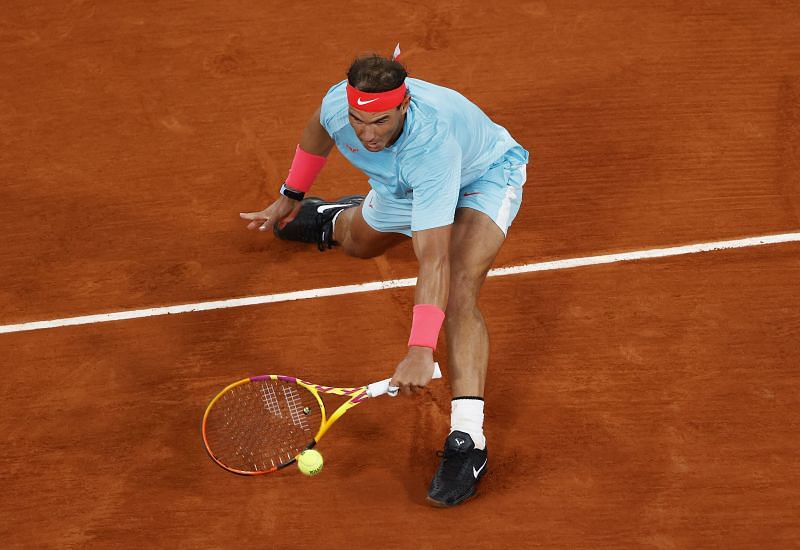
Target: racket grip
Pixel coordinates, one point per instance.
(379, 388)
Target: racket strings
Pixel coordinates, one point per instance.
(262, 425)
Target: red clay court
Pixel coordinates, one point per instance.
(652, 403)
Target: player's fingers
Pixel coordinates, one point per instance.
(394, 388)
(256, 219)
(284, 221)
(292, 215)
(266, 224)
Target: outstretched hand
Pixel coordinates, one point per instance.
(415, 371)
(280, 212)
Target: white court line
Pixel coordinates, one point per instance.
(399, 283)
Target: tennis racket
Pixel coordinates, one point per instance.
(259, 425)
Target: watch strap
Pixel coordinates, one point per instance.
(291, 193)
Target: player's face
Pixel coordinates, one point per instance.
(378, 130)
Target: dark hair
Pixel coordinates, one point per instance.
(373, 73)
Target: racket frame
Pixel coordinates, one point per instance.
(355, 396)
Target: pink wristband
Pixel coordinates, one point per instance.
(425, 327)
(304, 170)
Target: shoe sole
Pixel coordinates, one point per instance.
(439, 504)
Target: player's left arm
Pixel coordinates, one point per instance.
(432, 247)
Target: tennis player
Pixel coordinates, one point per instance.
(441, 173)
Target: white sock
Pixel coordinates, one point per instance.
(466, 415)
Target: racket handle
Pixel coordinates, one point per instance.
(382, 387)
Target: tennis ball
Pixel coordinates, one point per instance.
(310, 462)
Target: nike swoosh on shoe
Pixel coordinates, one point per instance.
(476, 472)
(325, 207)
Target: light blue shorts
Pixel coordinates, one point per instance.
(497, 193)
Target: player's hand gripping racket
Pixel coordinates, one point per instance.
(260, 424)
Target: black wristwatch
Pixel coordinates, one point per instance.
(291, 193)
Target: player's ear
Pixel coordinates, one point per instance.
(404, 105)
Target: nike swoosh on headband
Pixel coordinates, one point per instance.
(365, 102)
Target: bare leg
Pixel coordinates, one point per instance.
(358, 239)
(475, 241)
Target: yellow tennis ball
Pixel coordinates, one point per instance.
(310, 462)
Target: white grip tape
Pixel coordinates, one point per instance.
(382, 387)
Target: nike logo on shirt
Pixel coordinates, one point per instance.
(476, 472)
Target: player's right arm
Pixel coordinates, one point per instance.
(315, 143)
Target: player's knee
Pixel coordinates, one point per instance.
(367, 243)
(463, 298)
(356, 247)
(459, 305)
(357, 251)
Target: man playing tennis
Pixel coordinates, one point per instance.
(441, 173)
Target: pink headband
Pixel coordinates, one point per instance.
(375, 102)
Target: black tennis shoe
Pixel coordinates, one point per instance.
(461, 468)
(314, 222)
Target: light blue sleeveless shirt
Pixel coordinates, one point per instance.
(447, 143)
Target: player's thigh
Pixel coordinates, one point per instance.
(365, 241)
(474, 243)
(485, 211)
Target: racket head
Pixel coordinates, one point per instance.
(259, 425)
